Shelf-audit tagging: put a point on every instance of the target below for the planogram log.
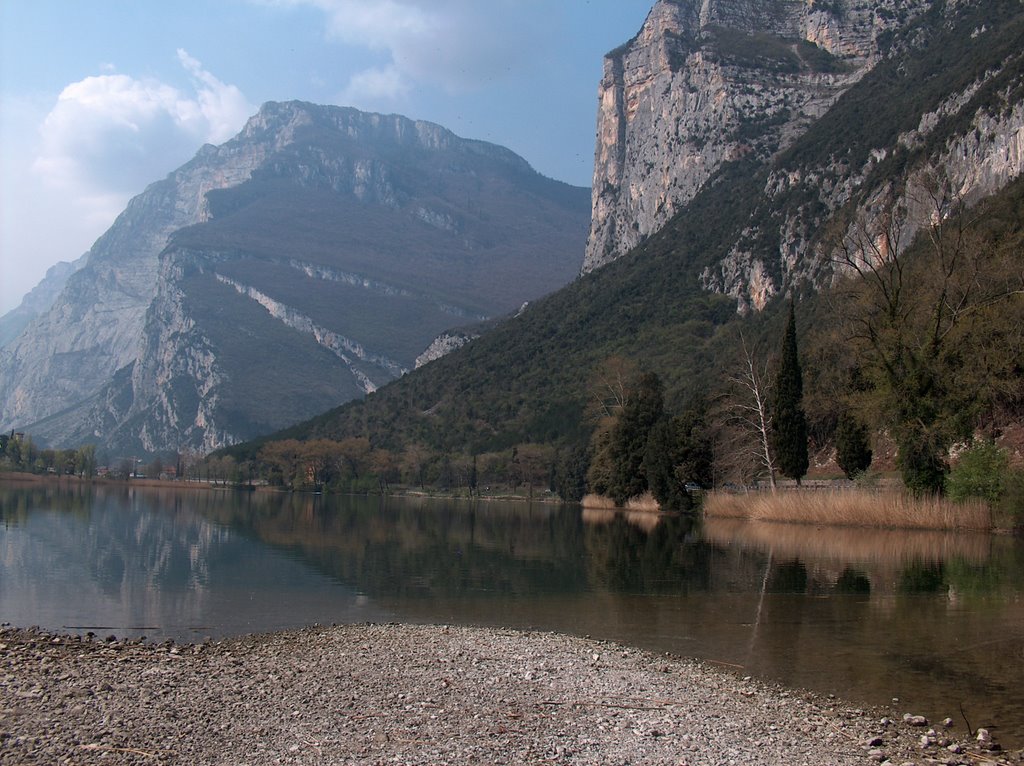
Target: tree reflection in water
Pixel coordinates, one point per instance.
(934, 619)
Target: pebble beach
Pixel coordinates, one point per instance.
(408, 694)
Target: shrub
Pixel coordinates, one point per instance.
(853, 446)
(981, 472)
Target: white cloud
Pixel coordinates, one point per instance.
(110, 135)
(376, 85)
(457, 45)
(224, 107)
(67, 175)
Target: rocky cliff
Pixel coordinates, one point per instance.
(307, 261)
(705, 83)
(94, 327)
(951, 106)
(708, 92)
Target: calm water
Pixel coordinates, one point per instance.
(936, 620)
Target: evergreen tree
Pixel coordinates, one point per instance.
(571, 474)
(853, 446)
(629, 438)
(599, 470)
(696, 447)
(789, 421)
(662, 456)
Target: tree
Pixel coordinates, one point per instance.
(853, 445)
(914, 314)
(611, 384)
(749, 418)
(414, 463)
(281, 459)
(354, 454)
(85, 461)
(981, 472)
(789, 424)
(599, 470)
(628, 445)
(661, 457)
(694, 462)
(384, 466)
(570, 480)
(319, 459)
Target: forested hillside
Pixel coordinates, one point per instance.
(871, 176)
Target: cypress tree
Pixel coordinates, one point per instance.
(789, 422)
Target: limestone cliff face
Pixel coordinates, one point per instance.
(94, 327)
(443, 345)
(970, 145)
(306, 262)
(707, 82)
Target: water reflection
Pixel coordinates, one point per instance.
(879, 546)
(149, 563)
(937, 620)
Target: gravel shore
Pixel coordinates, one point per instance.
(401, 694)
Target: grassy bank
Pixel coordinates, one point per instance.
(850, 507)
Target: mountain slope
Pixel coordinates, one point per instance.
(703, 84)
(38, 300)
(946, 102)
(351, 242)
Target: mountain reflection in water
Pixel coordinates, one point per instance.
(936, 620)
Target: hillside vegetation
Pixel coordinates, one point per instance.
(524, 402)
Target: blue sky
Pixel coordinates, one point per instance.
(100, 98)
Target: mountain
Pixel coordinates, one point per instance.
(39, 299)
(892, 109)
(307, 261)
(704, 84)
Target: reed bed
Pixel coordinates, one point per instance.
(851, 508)
(642, 503)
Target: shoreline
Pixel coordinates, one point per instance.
(29, 479)
(421, 694)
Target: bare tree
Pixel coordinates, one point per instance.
(749, 414)
(610, 388)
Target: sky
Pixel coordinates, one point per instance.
(99, 99)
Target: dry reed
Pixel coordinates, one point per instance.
(643, 503)
(851, 508)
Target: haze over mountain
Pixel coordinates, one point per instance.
(741, 147)
(305, 262)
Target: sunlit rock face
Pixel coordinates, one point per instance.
(94, 326)
(306, 262)
(705, 87)
(703, 83)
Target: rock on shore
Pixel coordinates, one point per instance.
(376, 694)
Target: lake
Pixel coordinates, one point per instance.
(933, 619)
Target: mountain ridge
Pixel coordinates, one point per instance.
(759, 228)
(365, 235)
